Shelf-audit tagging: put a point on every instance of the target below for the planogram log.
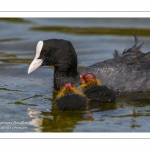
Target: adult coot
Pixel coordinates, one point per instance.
(127, 72)
(93, 89)
(69, 98)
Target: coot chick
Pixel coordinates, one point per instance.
(93, 89)
(128, 72)
(69, 98)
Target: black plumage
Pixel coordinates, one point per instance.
(128, 72)
(70, 98)
(71, 102)
(93, 89)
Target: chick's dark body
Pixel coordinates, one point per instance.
(72, 102)
(100, 93)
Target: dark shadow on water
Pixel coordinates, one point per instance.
(101, 106)
(63, 121)
(136, 100)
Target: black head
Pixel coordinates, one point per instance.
(54, 52)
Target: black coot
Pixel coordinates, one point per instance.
(128, 72)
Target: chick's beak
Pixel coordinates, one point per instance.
(36, 63)
(81, 76)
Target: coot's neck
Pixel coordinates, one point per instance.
(64, 75)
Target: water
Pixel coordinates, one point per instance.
(27, 100)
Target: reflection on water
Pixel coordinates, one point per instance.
(125, 115)
(10, 39)
(63, 121)
(28, 99)
(15, 20)
(93, 30)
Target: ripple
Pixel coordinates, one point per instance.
(20, 103)
(5, 89)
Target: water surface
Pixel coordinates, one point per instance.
(27, 100)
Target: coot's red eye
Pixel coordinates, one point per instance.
(45, 51)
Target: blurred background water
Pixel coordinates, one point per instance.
(27, 100)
